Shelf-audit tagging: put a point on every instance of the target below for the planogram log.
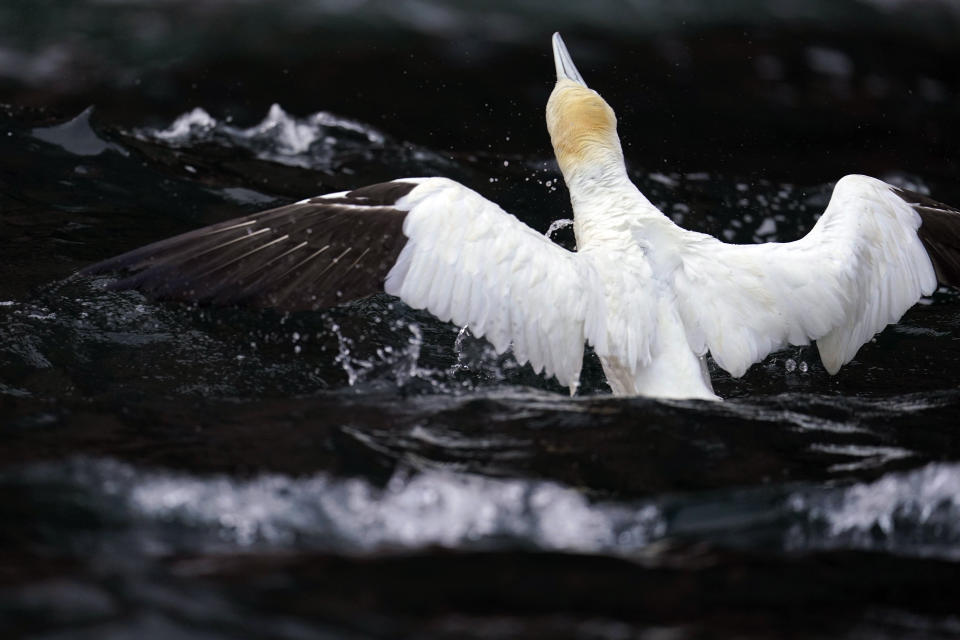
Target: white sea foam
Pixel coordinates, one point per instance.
(159, 512)
(915, 512)
(351, 514)
(280, 137)
(187, 127)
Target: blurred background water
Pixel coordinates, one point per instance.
(177, 472)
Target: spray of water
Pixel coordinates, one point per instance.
(556, 225)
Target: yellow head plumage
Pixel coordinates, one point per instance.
(582, 126)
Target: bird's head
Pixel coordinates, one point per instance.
(582, 126)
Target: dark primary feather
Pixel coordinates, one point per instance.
(301, 256)
(940, 234)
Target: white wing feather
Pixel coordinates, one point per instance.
(468, 261)
(859, 269)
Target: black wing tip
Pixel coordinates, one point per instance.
(296, 267)
(382, 194)
(939, 232)
(924, 203)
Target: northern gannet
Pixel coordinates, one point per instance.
(651, 297)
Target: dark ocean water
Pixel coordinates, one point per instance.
(168, 471)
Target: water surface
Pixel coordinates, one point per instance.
(169, 471)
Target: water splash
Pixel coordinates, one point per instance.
(556, 225)
(459, 348)
(477, 358)
(353, 367)
(400, 365)
(790, 366)
(412, 356)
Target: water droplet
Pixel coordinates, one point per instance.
(790, 365)
(556, 225)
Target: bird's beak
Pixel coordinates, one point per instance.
(564, 63)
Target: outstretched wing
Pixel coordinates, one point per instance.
(875, 251)
(309, 255)
(430, 241)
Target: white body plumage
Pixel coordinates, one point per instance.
(652, 298)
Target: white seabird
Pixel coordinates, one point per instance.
(651, 297)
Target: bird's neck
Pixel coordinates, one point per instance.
(607, 207)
